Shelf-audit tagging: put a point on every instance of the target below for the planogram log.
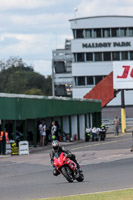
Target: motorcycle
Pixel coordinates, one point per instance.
(95, 134)
(88, 134)
(102, 132)
(92, 134)
(68, 168)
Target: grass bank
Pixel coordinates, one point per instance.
(114, 195)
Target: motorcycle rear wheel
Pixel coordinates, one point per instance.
(66, 175)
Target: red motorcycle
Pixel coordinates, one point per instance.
(68, 168)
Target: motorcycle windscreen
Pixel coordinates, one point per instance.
(57, 154)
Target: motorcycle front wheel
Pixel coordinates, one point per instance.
(80, 178)
(64, 171)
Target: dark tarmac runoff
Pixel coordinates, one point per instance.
(107, 165)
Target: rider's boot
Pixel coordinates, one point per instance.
(78, 168)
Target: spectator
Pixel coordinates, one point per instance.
(58, 131)
(3, 140)
(116, 125)
(43, 133)
(53, 131)
(42, 129)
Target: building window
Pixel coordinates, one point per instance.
(124, 55)
(81, 80)
(90, 80)
(59, 67)
(75, 57)
(80, 57)
(98, 56)
(116, 55)
(74, 33)
(123, 32)
(131, 55)
(107, 56)
(89, 57)
(106, 33)
(98, 79)
(115, 32)
(130, 32)
(76, 81)
(97, 33)
(60, 90)
(79, 33)
(88, 33)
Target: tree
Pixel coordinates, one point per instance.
(17, 77)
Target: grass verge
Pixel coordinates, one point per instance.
(114, 195)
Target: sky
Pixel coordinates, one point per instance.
(31, 29)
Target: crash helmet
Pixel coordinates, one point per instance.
(102, 127)
(53, 137)
(55, 144)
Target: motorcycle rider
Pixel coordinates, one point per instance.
(57, 150)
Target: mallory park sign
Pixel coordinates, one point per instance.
(106, 44)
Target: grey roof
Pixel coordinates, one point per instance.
(102, 16)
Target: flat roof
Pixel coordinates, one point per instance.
(22, 107)
(9, 95)
(102, 16)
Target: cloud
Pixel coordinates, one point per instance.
(105, 7)
(31, 29)
(8, 41)
(27, 44)
(45, 20)
(8, 5)
(43, 66)
(33, 35)
(35, 23)
(34, 49)
(31, 46)
(25, 4)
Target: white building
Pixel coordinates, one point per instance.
(62, 71)
(97, 42)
